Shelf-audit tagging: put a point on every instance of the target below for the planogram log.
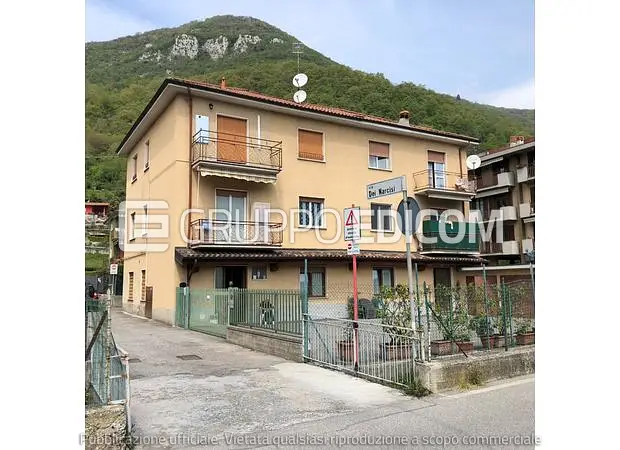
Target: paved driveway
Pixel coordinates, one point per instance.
(236, 393)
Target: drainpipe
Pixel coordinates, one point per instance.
(189, 195)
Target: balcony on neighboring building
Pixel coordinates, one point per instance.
(505, 213)
(444, 185)
(527, 245)
(525, 173)
(526, 211)
(499, 248)
(235, 156)
(224, 233)
(450, 237)
(493, 183)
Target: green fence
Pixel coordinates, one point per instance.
(277, 310)
(208, 311)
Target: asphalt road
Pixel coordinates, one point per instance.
(237, 398)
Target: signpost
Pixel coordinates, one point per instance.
(113, 272)
(391, 187)
(352, 233)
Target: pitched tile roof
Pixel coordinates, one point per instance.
(323, 109)
(183, 254)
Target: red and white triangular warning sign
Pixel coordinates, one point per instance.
(351, 220)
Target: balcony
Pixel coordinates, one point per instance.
(527, 245)
(224, 233)
(233, 156)
(526, 212)
(468, 243)
(505, 213)
(500, 248)
(444, 185)
(494, 183)
(525, 173)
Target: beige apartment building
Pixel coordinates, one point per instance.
(258, 185)
(505, 187)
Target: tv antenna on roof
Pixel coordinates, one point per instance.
(300, 79)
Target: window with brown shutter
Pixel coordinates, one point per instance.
(310, 145)
(378, 155)
(436, 157)
(130, 294)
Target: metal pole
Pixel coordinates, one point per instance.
(355, 314)
(417, 301)
(108, 354)
(505, 314)
(409, 264)
(304, 308)
(486, 304)
(428, 319)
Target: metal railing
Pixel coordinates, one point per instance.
(269, 309)
(440, 179)
(210, 232)
(211, 146)
(491, 247)
(467, 243)
(385, 353)
(487, 180)
(530, 170)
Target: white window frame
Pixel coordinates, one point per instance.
(380, 220)
(311, 219)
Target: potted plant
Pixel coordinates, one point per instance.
(346, 344)
(484, 329)
(452, 322)
(525, 333)
(500, 337)
(395, 315)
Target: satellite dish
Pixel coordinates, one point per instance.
(473, 162)
(414, 209)
(300, 80)
(299, 96)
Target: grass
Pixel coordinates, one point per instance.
(472, 377)
(415, 388)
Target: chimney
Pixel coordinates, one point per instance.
(516, 140)
(404, 118)
(223, 83)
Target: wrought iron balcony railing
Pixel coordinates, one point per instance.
(228, 232)
(232, 149)
(442, 180)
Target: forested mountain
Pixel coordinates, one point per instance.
(123, 74)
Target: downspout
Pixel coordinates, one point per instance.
(189, 196)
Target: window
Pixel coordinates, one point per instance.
(143, 286)
(134, 175)
(310, 145)
(316, 281)
(378, 155)
(147, 155)
(311, 212)
(436, 170)
(146, 220)
(509, 232)
(130, 294)
(381, 220)
(501, 200)
(133, 225)
(259, 272)
(382, 277)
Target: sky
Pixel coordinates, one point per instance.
(482, 50)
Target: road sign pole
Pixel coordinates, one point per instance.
(355, 316)
(409, 265)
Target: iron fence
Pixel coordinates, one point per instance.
(270, 309)
(375, 351)
(106, 365)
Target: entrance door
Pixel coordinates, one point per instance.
(443, 282)
(231, 139)
(148, 305)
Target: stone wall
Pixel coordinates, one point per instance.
(277, 344)
(447, 374)
(106, 428)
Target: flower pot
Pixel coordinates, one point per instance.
(485, 341)
(525, 339)
(442, 348)
(500, 341)
(397, 351)
(346, 351)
